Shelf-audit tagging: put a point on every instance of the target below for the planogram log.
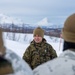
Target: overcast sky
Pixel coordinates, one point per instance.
(32, 11)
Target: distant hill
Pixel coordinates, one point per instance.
(9, 24)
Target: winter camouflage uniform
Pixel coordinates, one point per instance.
(20, 67)
(37, 54)
(63, 65)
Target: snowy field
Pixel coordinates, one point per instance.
(20, 42)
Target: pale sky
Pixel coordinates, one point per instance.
(32, 11)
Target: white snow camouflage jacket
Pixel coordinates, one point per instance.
(63, 65)
(20, 67)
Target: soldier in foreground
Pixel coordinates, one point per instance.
(65, 63)
(11, 63)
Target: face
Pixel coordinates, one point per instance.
(37, 39)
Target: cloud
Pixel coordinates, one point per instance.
(37, 8)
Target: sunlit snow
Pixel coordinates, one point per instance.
(21, 42)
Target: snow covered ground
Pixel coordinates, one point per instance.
(21, 42)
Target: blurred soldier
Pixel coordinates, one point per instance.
(65, 63)
(10, 63)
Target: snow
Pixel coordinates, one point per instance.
(22, 41)
(44, 22)
(7, 19)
